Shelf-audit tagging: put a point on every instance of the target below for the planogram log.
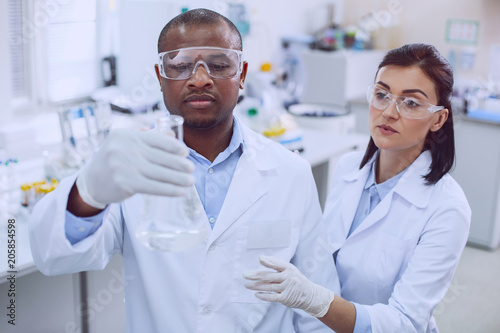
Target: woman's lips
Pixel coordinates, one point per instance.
(387, 130)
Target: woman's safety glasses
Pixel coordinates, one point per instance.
(408, 107)
(219, 63)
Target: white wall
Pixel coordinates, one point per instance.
(140, 23)
(412, 21)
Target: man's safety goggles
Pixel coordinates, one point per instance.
(219, 63)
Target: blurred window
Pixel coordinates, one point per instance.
(53, 50)
(19, 52)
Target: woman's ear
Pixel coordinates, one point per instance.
(440, 120)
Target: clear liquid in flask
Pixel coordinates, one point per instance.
(172, 241)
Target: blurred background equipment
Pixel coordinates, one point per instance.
(83, 129)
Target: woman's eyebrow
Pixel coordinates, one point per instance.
(384, 84)
(409, 91)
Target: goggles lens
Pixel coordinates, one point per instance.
(182, 64)
(407, 106)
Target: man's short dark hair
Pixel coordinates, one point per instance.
(199, 16)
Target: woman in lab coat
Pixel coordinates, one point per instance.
(398, 221)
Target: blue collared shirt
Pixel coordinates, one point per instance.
(372, 194)
(212, 180)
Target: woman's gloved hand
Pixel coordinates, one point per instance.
(132, 162)
(289, 287)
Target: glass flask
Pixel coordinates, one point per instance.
(172, 223)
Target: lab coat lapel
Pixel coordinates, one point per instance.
(352, 195)
(378, 212)
(376, 215)
(247, 185)
(411, 187)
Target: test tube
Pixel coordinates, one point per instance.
(27, 196)
(102, 116)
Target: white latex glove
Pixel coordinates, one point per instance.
(132, 162)
(289, 287)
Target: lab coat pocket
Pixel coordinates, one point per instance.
(387, 258)
(273, 238)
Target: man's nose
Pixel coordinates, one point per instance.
(200, 75)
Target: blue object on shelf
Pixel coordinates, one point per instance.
(484, 115)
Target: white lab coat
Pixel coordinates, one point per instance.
(401, 259)
(271, 208)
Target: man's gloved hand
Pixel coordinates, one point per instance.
(289, 287)
(132, 162)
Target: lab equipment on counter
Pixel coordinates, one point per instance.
(109, 70)
(290, 70)
(83, 128)
(172, 223)
(327, 117)
(331, 36)
(334, 37)
(16, 191)
(261, 108)
(123, 102)
(275, 124)
(238, 14)
(485, 115)
(9, 194)
(31, 193)
(478, 99)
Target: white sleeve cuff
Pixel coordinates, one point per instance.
(85, 195)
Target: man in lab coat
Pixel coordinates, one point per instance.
(259, 199)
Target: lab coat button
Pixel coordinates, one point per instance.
(211, 247)
(207, 311)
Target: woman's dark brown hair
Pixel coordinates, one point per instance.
(441, 143)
